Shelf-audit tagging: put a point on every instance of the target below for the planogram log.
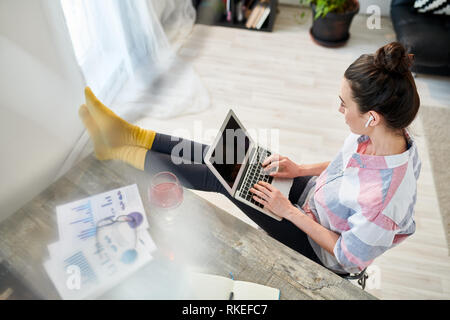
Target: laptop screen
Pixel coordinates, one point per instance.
(230, 151)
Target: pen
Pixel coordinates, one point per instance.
(231, 293)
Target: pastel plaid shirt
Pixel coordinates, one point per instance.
(368, 200)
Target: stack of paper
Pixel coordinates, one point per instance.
(89, 259)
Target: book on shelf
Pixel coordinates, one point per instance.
(258, 15)
(251, 19)
(228, 8)
(263, 18)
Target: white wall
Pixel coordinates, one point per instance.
(41, 89)
(383, 4)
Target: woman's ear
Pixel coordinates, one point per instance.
(373, 120)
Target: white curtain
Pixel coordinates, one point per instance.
(126, 50)
(129, 61)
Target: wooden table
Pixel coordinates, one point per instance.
(202, 237)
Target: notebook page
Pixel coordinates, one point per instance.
(244, 290)
(209, 287)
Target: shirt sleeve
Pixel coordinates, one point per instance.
(367, 239)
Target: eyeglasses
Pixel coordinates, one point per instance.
(133, 219)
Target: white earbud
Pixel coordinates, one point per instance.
(368, 121)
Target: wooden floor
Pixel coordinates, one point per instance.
(282, 80)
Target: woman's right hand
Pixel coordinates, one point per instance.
(286, 167)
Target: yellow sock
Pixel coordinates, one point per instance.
(116, 131)
(132, 155)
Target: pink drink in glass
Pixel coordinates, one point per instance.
(165, 191)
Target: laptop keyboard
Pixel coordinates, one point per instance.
(254, 174)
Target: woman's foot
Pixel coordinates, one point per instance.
(132, 155)
(115, 131)
(102, 150)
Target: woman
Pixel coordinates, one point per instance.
(341, 214)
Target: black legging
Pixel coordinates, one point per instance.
(197, 176)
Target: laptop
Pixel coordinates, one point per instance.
(236, 160)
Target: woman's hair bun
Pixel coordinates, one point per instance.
(393, 58)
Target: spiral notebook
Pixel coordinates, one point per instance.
(212, 287)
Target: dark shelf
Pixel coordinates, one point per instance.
(266, 27)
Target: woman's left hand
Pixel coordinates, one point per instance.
(272, 199)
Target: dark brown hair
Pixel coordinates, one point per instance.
(383, 82)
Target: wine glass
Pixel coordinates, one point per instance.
(165, 190)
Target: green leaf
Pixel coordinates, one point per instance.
(323, 7)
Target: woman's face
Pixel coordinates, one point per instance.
(349, 108)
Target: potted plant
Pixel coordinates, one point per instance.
(331, 20)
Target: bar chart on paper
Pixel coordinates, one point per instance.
(84, 219)
(77, 220)
(97, 258)
(78, 259)
(86, 223)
